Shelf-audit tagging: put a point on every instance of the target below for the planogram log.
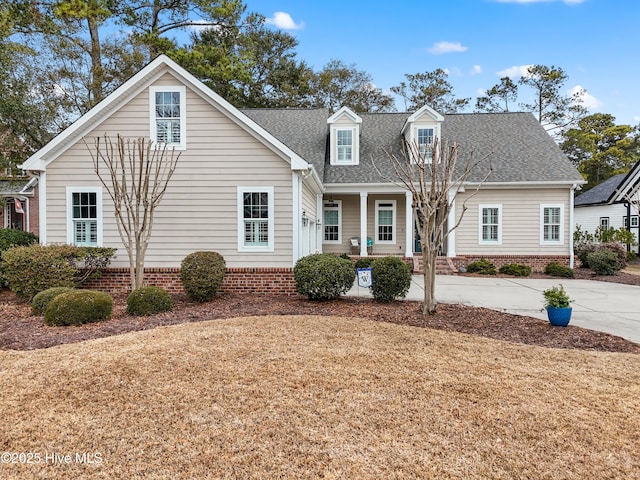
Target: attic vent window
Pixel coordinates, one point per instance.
(168, 116)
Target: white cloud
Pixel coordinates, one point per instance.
(284, 21)
(514, 72)
(589, 101)
(440, 48)
(476, 69)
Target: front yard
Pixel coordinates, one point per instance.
(316, 397)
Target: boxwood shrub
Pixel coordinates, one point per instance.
(556, 270)
(202, 274)
(482, 266)
(42, 299)
(391, 279)
(604, 262)
(323, 276)
(77, 307)
(148, 300)
(515, 269)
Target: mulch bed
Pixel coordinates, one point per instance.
(19, 330)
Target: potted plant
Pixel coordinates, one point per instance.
(557, 304)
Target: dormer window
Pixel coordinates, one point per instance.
(344, 134)
(344, 146)
(420, 131)
(425, 142)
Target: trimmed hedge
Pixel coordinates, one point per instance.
(148, 300)
(10, 238)
(482, 266)
(556, 270)
(391, 279)
(201, 274)
(35, 268)
(323, 276)
(604, 262)
(515, 269)
(77, 307)
(42, 299)
(364, 262)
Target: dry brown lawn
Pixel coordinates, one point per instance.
(297, 397)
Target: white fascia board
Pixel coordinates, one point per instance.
(564, 183)
(353, 188)
(417, 115)
(345, 111)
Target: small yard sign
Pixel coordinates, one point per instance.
(364, 277)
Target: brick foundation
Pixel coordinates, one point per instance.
(451, 265)
(255, 281)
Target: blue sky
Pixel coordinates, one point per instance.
(476, 41)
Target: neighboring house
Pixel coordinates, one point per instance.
(19, 203)
(612, 203)
(265, 187)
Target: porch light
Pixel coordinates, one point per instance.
(305, 219)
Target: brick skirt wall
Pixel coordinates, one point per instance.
(446, 265)
(256, 281)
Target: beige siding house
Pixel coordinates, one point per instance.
(264, 187)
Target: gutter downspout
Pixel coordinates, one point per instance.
(571, 224)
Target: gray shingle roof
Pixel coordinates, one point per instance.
(601, 193)
(514, 144)
(14, 187)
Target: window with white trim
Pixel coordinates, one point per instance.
(490, 224)
(385, 221)
(425, 142)
(255, 219)
(332, 216)
(604, 222)
(168, 116)
(551, 221)
(344, 146)
(84, 216)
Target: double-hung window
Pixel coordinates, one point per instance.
(425, 143)
(84, 216)
(168, 116)
(490, 224)
(385, 221)
(551, 219)
(604, 222)
(344, 146)
(332, 220)
(255, 219)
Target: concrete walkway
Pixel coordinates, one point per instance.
(604, 306)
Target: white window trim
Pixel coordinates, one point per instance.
(543, 241)
(481, 240)
(394, 224)
(100, 218)
(339, 205)
(355, 151)
(608, 221)
(634, 221)
(153, 133)
(413, 138)
(270, 247)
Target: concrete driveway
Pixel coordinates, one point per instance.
(604, 306)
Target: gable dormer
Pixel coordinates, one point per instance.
(344, 137)
(421, 129)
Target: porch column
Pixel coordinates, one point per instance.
(451, 221)
(363, 224)
(408, 224)
(319, 228)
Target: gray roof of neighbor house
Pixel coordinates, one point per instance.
(513, 145)
(19, 186)
(601, 193)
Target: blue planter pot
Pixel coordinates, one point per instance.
(559, 316)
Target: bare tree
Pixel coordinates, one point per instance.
(432, 176)
(135, 173)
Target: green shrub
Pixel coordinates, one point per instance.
(322, 276)
(391, 279)
(149, 300)
(35, 268)
(618, 249)
(516, 269)
(77, 307)
(482, 266)
(42, 299)
(556, 270)
(201, 274)
(364, 262)
(583, 252)
(10, 238)
(604, 262)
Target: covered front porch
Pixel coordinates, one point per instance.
(372, 222)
